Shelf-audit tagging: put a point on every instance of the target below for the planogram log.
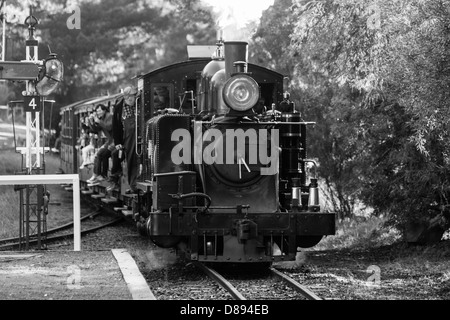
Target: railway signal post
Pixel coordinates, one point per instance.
(41, 78)
(33, 219)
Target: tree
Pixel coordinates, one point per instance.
(270, 43)
(396, 55)
(117, 40)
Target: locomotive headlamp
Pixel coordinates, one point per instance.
(241, 92)
(50, 75)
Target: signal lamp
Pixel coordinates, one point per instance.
(241, 92)
(50, 75)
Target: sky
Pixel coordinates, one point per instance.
(243, 10)
(233, 15)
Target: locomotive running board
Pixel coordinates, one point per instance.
(97, 196)
(145, 186)
(127, 213)
(109, 200)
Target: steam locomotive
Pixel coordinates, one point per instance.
(223, 166)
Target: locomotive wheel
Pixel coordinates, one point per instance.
(308, 241)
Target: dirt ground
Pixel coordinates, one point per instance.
(396, 272)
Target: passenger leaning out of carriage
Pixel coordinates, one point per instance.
(124, 124)
(101, 121)
(87, 144)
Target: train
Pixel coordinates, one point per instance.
(223, 170)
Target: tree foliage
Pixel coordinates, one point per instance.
(117, 40)
(270, 44)
(121, 39)
(390, 50)
(375, 76)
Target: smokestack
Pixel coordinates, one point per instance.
(219, 35)
(234, 51)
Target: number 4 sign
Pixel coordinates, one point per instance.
(32, 103)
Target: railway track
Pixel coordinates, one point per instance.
(224, 283)
(88, 225)
(197, 281)
(253, 289)
(305, 291)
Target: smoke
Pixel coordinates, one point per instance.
(237, 19)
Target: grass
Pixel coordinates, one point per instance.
(364, 251)
(10, 163)
(394, 255)
(366, 233)
(9, 219)
(363, 231)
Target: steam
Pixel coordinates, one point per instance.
(237, 19)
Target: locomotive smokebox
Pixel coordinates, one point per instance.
(234, 51)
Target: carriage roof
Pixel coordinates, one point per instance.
(87, 105)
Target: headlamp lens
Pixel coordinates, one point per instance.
(241, 93)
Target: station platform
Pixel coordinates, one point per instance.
(71, 275)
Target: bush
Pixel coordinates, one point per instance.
(366, 233)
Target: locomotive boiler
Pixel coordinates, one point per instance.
(223, 154)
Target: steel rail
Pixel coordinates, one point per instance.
(55, 229)
(57, 237)
(295, 285)
(221, 281)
